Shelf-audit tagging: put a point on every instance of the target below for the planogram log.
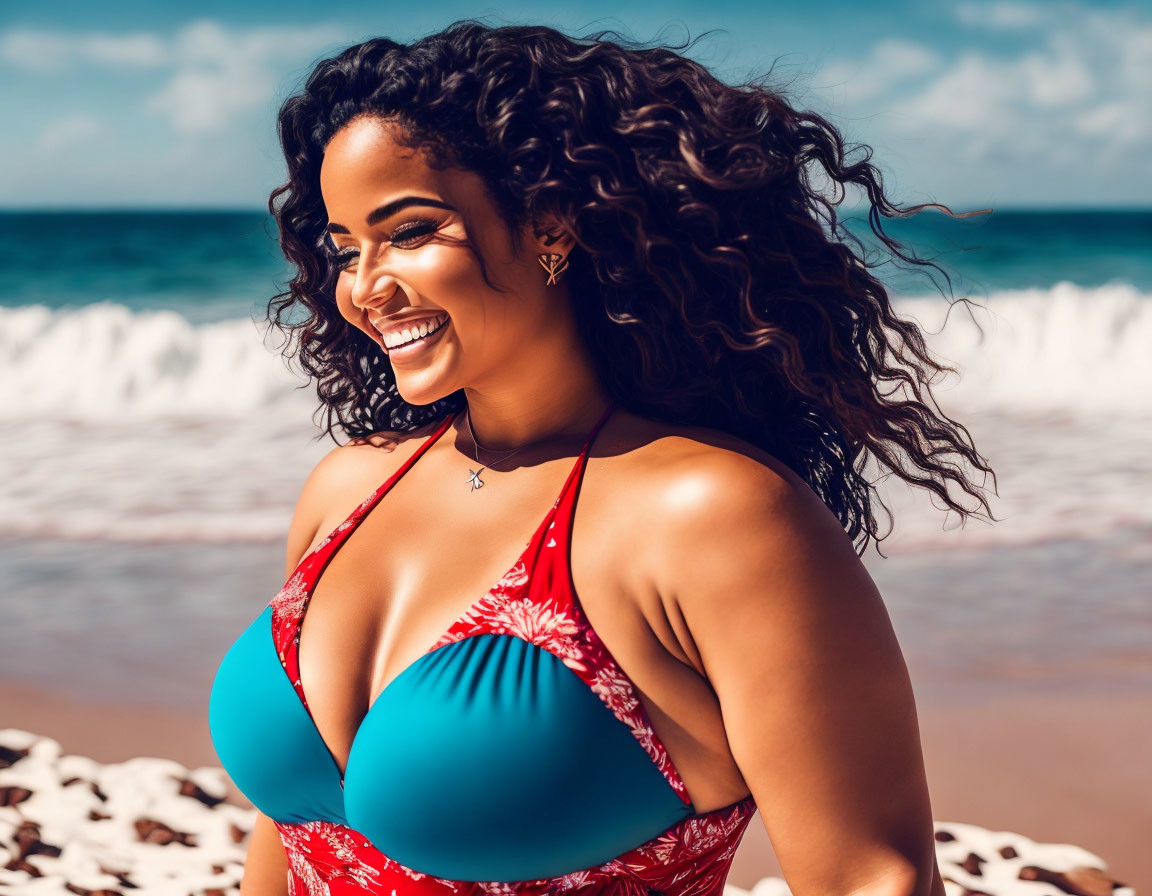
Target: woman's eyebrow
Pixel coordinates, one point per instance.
(391, 208)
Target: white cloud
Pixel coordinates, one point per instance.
(1056, 79)
(65, 132)
(40, 51)
(889, 63)
(207, 100)
(214, 71)
(138, 50)
(1078, 89)
(1004, 16)
(1111, 121)
(34, 51)
(975, 93)
(221, 71)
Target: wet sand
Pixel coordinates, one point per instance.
(1058, 769)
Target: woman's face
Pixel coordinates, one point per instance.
(398, 227)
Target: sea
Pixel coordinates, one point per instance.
(154, 440)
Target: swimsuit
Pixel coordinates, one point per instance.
(512, 757)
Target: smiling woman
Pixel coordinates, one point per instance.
(614, 268)
(410, 271)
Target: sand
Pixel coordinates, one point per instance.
(1069, 769)
(1062, 769)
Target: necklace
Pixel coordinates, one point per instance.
(474, 475)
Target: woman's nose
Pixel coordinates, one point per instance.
(372, 286)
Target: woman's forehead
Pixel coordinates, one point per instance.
(365, 151)
(363, 162)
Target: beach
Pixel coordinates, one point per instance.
(1062, 769)
(145, 529)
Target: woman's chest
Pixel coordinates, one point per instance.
(397, 589)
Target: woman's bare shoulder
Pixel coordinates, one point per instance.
(689, 484)
(671, 456)
(704, 500)
(344, 477)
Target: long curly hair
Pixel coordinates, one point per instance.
(716, 285)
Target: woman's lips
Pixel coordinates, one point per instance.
(416, 346)
(393, 331)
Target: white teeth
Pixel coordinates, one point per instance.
(395, 339)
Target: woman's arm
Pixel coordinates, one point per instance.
(266, 864)
(792, 634)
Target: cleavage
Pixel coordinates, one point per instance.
(383, 599)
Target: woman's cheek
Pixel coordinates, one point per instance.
(442, 270)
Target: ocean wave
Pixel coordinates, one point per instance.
(1083, 351)
(104, 362)
(1068, 348)
(139, 426)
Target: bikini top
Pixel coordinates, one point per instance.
(513, 749)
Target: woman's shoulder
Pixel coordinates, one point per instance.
(345, 475)
(689, 484)
(707, 463)
(714, 509)
(709, 501)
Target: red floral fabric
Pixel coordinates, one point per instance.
(691, 858)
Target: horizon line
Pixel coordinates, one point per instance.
(246, 209)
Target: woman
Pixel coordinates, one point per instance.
(534, 266)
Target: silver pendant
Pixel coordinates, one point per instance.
(474, 478)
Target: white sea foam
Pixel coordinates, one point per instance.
(103, 363)
(142, 426)
(1064, 350)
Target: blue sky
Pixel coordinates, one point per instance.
(973, 104)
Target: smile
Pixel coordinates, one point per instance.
(414, 335)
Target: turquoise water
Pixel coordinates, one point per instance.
(212, 266)
(1026, 249)
(208, 266)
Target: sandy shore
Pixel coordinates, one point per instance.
(1055, 769)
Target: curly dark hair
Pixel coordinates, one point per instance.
(717, 286)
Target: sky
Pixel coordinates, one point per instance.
(972, 104)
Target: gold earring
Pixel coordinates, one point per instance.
(554, 264)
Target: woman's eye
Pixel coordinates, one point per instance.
(407, 234)
(404, 237)
(341, 259)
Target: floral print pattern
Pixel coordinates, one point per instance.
(691, 858)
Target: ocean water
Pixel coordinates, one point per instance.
(154, 443)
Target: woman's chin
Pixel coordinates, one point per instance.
(421, 397)
(422, 386)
